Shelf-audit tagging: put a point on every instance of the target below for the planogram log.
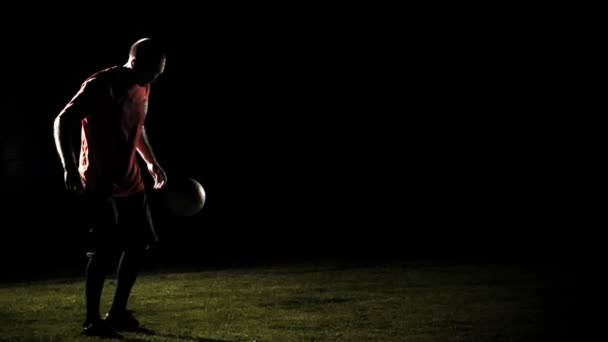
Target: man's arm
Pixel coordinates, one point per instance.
(145, 151)
(65, 126)
(66, 132)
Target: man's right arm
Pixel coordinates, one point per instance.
(66, 132)
(65, 128)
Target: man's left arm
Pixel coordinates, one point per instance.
(145, 151)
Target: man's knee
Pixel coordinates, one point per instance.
(137, 250)
(101, 255)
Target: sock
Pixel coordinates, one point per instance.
(95, 277)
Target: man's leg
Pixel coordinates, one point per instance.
(96, 270)
(104, 215)
(138, 229)
(128, 268)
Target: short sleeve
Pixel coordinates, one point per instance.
(88, 98)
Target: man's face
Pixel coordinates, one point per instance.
(146, 71)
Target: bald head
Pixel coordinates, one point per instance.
(146, 48)
(147, 59)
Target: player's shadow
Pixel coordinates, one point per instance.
(181, 338)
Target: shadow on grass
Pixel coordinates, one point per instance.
(181, 338)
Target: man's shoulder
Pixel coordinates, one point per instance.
(105, 75)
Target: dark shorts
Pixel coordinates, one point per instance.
(119, 223)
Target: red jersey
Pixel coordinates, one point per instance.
(113, 109)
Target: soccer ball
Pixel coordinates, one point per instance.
(185, 196)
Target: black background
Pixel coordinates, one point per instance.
(315, 134)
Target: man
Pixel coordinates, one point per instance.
(109, 112)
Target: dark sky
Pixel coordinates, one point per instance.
(311, 137)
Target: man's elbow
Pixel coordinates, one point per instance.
(57, 122)
(60, 122)
(65, 119)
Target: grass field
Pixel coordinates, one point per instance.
(324, 301)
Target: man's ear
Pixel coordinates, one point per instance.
(133, 63)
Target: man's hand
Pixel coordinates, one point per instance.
(158, 174)
(73, 181)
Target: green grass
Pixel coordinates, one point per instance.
(303, 302)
